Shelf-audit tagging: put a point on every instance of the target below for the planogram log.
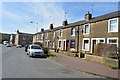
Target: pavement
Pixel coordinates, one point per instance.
(87, 66)
(17, 64)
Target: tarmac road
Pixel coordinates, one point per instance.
(17, 64)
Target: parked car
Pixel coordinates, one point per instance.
(5, 42)
(18, 46)
(8, 45)
(35, 50)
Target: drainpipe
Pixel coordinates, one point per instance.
(80, 41)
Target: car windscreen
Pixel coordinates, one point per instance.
(35, 47)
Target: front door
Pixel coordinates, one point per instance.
(67, 45)
(93, 45)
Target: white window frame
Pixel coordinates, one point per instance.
(88, 44)
(53, 44)
(46, 35)
(75, 46)
(109, 25)
(98, 41)
(61, 32)
(84, 29)
(61, 44)
(111, 39)
(42, 36)
(53, 34)
(72, 32)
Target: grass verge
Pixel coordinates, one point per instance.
(51, 55)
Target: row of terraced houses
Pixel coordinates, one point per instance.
(81, 36)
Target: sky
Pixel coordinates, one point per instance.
(18, 15)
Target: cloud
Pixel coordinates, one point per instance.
(38, 12)
(45, 10)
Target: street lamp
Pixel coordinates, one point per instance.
(36, 23)
(36, 29)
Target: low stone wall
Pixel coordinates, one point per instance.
(111, 62)
(94, 58)
(105, 61)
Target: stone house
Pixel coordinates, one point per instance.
(23, 38)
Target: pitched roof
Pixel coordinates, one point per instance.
(94, 19)
(25, 33)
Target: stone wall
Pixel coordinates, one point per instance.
(105, 61)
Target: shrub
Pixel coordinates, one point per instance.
(106, 50)
(46, 50)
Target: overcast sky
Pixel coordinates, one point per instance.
(17, 15)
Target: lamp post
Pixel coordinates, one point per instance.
(36, 28)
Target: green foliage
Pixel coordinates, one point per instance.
(114, 68)
(46, 50)
(51, 55)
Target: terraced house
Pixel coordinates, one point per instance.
(82, 36)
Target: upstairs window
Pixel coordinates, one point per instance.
(42, 36)
(53, 34)
(24, 37)
(60, 33)
(86, 29)
(46, 35)
(73, 31)
(113, 25)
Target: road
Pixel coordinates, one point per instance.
(16, 64)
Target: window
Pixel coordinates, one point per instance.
(53, 34)
(112, 41)
(113, 25)
(86, 44)
(73, 31)
(86, 29)
(37, 36)
(24, 38)
(53, 44)
(46, 35)
(60, 44)
(60, 33)
(101, 41)
(72, 44)
(42, 36)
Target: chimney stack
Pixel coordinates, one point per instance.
(17, 31)
(42, 29)
(51, 26)
(88, 16)
(65, 23)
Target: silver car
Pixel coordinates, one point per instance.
(35, 50)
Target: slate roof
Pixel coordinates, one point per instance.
(94, 19)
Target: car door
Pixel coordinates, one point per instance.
(28, 49)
